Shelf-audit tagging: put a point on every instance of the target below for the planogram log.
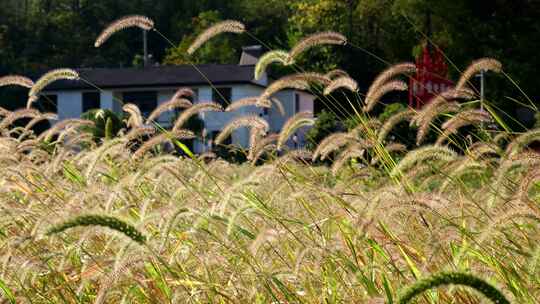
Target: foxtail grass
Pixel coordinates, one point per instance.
(142, 22)
(227, 26)
(100, 220)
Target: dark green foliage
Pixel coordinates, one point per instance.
(452, 278)
(392, 109)
(402, 132)
(225, 53)
(109, 129)
(231, 154)
(107, 123)
(38, 35)
(326, 124)
(100, 220)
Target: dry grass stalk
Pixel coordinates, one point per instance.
(170, 105)
(484, 64)
(249, 121)
(13, 116)
(195, 109)
(142, 22)
(462, 119)
(135, 117)
(160, 139)
(258, 147)
(331, 143)
(63, 125)
(352, 151)
(374, 96)
(423, 154)
(245, 102)
(49, 77)
(42, 117)
(316, 40)
(299, 81)
(389, 74)
(299, 120)
(18, 80)
(276, 56)
(227, 26)
(336, 73)
(341, 82)
(391, 122)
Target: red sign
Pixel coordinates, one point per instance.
(430, 78)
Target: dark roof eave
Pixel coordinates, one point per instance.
(158, 76)
(129, 86)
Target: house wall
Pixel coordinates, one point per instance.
(214, 121)
(288, 99)
(306, 104)
(111, 100)
(69, 104)
(165, 119)
(276, 118)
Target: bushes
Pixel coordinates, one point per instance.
(326, 124)
(107, 123)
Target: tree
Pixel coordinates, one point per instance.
(326, 124)
(38, 35)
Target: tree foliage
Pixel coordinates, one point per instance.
(326, 124)
(38, 35)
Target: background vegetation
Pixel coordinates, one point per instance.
(33, 35)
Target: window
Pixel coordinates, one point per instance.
(226, 142)
(192, 98)
(146, 101)
(297, 102)
(90, 100)
(222, 96)
(47, 103)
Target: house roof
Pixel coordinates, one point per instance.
(161, 76)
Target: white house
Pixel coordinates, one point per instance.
(150, 86)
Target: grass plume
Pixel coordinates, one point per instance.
(484, 64)
(374, 96)
(100, 220)
(336, 73)
(227, 26)
(50, 77)
(160, 139)
(170, 105)
(17, 80)
(297, 121)
(135, 117)
(341, 82)
(314, 40)
(276, 56)
(244, 102)
(452, 278)
(249, 121)
(196, 109)
(139, 21)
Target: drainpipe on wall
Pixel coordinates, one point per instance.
(145, 47)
